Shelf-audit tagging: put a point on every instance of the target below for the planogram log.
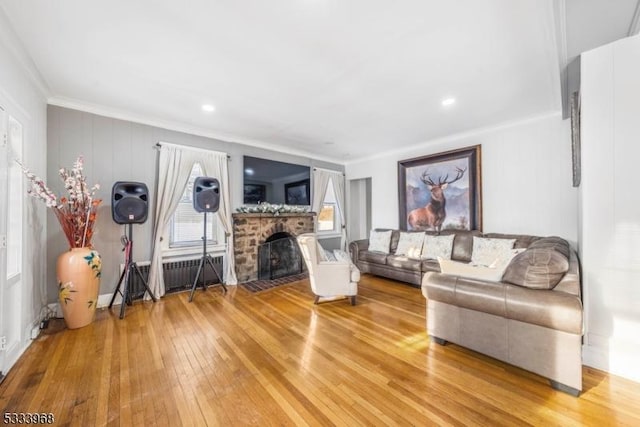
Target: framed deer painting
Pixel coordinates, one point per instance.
(441, 191)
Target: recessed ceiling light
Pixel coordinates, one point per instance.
(208, 108)
(448, 102)
(249, 171)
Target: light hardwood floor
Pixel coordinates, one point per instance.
(273, 358)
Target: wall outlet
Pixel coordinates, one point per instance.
(54, 310)
(3, 343)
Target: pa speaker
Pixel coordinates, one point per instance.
(206, 194)
(129, 202)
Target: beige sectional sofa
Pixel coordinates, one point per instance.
(531, 318)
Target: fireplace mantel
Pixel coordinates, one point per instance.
(270, 215)
(252, 229)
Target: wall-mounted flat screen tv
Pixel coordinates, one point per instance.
(276, 182)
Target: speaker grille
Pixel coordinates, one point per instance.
(206, 194)
(129, 202)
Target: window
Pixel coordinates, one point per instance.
(186, 226)
(328, 220)
(327, 217)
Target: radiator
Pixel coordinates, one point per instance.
(178, 275)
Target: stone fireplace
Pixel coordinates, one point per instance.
(251, 230)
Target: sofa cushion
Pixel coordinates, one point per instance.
(373, 257)
(541, 266)
(403, 262)
(486, 251)
(462, 243)
(340, 255)
(437, 246)
(410, 244)
(380, 241)
(553, 242)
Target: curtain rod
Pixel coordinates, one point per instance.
(158, 145)
(328, 170)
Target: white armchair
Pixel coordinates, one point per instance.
(328, 278)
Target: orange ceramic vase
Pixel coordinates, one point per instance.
(78, 273)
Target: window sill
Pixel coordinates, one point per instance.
(191, 252)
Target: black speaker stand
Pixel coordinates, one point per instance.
(206, 259)
(129, 268)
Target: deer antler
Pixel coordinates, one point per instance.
(459, 174)
(426, 178)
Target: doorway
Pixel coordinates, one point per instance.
(359, 208)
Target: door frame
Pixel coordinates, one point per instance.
(4, 197)
(15, 326)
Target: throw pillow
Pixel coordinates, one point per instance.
(340, 255)
(415, 253)
(330, 256)
(504, 260)
(410, 244)
(541, 266)
(437, 246)
(379, 241)
(486, 251)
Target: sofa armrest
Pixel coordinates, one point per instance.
(570, 283)
(356, 247)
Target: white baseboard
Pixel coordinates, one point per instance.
(105, 299)
(612, 356)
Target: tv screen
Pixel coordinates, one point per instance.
(276, 182)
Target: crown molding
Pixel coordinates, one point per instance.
(634, 28)
(9, 38)
(119, 114)
(462, 135)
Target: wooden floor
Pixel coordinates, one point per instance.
(273, 358)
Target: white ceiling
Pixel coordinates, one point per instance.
(333, 79)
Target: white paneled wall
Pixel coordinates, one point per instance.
(118, 150)
(610, 206)
(526, 178)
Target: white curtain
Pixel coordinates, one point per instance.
(321, 179)
(174, 168)
(216, 165)
(339, 191)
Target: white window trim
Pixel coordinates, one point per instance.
(179, 253)
(191, 252)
